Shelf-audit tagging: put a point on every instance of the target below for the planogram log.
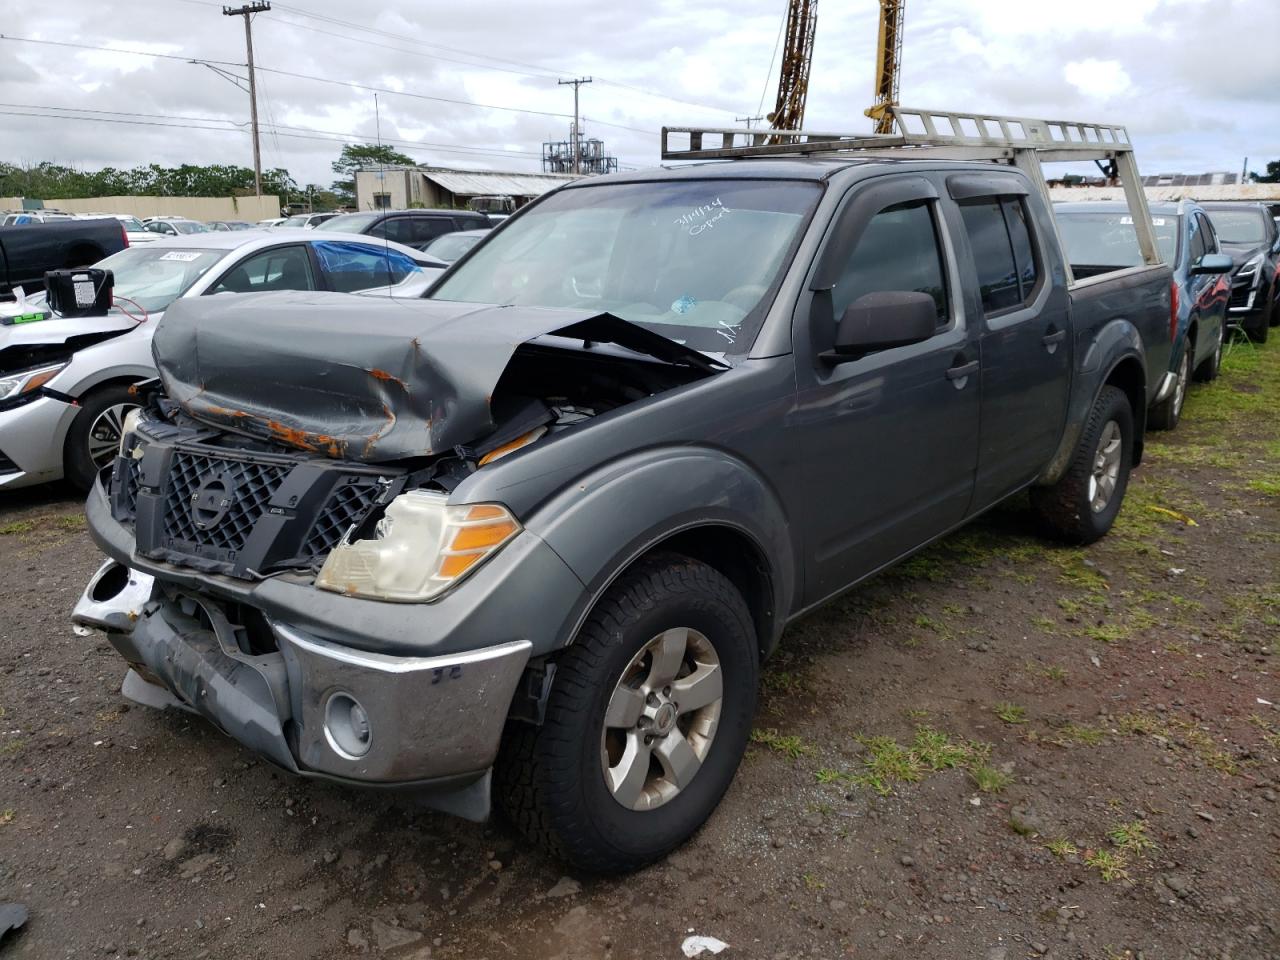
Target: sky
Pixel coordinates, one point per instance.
(474, 84)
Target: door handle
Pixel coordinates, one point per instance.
(1051, 340)
(963, 370)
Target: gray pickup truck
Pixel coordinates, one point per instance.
(530, 538)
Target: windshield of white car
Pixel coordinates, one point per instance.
(1239, 226)
(1109, 239)
(349, 222)
(153, 278)
(451, 246)
(693, 260)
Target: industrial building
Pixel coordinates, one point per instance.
(398, 188)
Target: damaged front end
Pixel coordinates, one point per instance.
(293, 471)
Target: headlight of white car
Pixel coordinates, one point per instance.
(27, 381)
(421, 547)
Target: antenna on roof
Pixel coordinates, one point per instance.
(382, 180)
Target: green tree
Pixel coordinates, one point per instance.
(1271, 176)
(356, 155)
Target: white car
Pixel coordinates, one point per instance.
(65, 383)
(271, 222)
(134, 228)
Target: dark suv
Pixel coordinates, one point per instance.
(1250, 234)
(413, 228)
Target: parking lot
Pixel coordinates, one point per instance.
(1001, 749)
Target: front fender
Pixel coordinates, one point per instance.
(602, 522)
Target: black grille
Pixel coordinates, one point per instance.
(1240, 295)
(7, 465)
(345, 506)
(251, 487)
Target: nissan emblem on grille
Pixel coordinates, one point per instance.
(212, 499)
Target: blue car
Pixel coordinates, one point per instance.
(1099, 238)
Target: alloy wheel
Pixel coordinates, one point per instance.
(661, 719)
(105, 433)
(1106, 467)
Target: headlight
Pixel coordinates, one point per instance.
(421, 547)
(27, 381)
(1251, 266)
(128, 430)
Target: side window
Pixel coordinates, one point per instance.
(354, 266)
(426, 229)
(1198, 237)
(1207, 232)
(898, 251)
(281, 268)
(1003, 254)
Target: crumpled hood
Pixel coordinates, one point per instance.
(359, 378)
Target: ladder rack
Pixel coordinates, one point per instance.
(1024, 142)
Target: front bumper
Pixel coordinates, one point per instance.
(31, 441)
(434, 722)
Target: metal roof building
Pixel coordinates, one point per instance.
(397, 188)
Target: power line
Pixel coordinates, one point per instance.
(135, 53)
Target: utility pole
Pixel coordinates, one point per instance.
(577, 136)
(247, 11)
(749, 120)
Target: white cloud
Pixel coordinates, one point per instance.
(1098, 79)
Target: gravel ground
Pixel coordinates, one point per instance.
(1002, 749)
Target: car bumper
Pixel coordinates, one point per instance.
(1167, 383)
(435, 680)
(31, 440)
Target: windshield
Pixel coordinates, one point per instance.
(188, 226)
(153, 278)
(349, 222)
(451, 246)
(691, 260)
(1239, 226)
(1109, 240)
(295, 222)
(130, 223)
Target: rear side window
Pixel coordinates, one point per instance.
(1003, 254)
(414, 231)
(1198, 237)
(353, 266)
(899, 251)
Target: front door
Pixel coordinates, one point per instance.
(888, 441)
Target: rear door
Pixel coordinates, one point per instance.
(887, 443)
(1025, 332)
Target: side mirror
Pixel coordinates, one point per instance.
(1213, 263)
(881, 320)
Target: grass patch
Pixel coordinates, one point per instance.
(1062, 848)
(1080, 733)
(989, 779)
(6, 817)
(1110, 864)
(888, 763)
(1011, 712)
(1266, 485)
(1131, 836)
(1107, 633)
(16, 528)
(791, 747)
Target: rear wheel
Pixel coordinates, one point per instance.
(1166, 414)
(1211, 365)
(646, 723)
(94, 437)
(1081, 507)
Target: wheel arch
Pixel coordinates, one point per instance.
(1130, 376)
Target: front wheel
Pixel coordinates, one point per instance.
(646, 723)
(94, 437)
(1081, 507)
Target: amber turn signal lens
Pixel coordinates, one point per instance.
(481, 536)
(455, 565)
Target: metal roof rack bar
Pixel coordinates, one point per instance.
(1024, 142)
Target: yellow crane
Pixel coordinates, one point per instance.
(888, 59)
(797, 58)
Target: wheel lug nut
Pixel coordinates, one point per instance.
(651, 699)
(643, 722)
(666, 691)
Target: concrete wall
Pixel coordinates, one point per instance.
(1248, 191)
(194, 208)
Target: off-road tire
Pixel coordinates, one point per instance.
(78, 467)
(1211, 365)
(1063, 509)
(549, 779)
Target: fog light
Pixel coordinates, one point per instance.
(346, 726)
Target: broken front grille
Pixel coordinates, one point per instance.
(242, 515)
(248, 486)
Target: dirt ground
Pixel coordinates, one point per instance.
(1003, 749)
